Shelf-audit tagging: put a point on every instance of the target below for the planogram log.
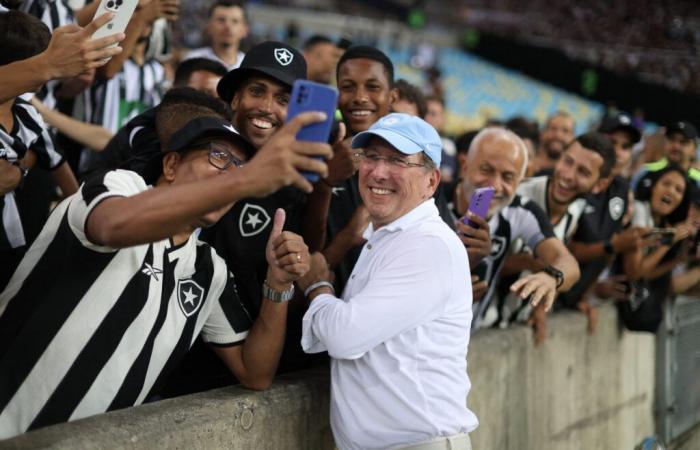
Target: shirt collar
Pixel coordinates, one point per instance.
(414, 216)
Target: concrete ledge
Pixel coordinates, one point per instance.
(575, 392)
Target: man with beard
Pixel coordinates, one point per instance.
(556, 134)
(498, 158)
(583, 167)
(226, 28)
(599, 234)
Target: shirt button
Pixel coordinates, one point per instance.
(369, 246)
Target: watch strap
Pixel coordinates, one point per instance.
(556, 273)
(276, 296)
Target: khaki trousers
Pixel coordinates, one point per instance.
(455, 442)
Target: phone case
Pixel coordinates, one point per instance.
(480, 203)
(123, 10)
(310, 96)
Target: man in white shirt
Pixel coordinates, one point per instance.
(226, 28)
(398, 337)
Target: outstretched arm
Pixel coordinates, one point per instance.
(165, 211)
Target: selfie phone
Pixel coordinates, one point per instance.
(666, 235)
(479, 204)
(310, 96)
(122, 9)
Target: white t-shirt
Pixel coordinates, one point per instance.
(208, 52)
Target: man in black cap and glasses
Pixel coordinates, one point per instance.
(117, 286)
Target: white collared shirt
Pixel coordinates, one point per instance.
(398, 338)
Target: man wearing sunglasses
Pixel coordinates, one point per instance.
(398, 337)
(117, 286)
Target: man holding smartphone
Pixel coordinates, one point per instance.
(498, 158)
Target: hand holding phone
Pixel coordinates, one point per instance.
(310, 96)
(479, 204)
(122, 10)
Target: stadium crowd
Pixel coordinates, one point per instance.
(154, 211)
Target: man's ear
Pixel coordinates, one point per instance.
(393, 96)
(434, 181)
(170, 163)
(602, 185)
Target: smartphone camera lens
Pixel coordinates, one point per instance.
(110, 4)
(119, 3)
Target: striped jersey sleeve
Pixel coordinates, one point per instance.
(229, 322)
(115, 183)
(35, 135)
(528, 221)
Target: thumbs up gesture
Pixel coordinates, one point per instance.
(287, 255)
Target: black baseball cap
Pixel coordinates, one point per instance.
(620, 121)
(279, 61)
(195, 130)
(685, 128)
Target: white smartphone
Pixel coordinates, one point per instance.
(122, 9)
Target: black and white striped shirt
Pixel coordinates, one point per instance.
(112, 103)
(86, 329)
(28, 133)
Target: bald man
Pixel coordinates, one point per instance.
(497, 157)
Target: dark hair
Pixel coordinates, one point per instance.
(411, 94)
(525, 129)
(464, 141)
(648, 182)
(435, 98)
(189, 66)
(180, 105)
(21, 36)
(600, 144)
(367, 52)
(228, 4)
(315, 40)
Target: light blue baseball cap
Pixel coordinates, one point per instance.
(406, 133)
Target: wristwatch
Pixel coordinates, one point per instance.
(556, 273)
(277, 296)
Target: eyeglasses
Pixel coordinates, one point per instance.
(221, 158)
(372, 159)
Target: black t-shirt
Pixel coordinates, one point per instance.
(131, 148)
(601, 219)
(240, 237)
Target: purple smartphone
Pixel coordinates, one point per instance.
(479, 204)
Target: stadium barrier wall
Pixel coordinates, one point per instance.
(576, 391)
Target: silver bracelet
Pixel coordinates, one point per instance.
(317, 285)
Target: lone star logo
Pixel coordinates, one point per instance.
(283, 56)
(190, 296)
(336, 190)
(253, 220)
(231, 128)
(151, 271)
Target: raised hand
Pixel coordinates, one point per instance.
(477, 240)
(287, 255)
(278, 163)
(72, 50)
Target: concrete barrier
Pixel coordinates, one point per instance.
(575, 392)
